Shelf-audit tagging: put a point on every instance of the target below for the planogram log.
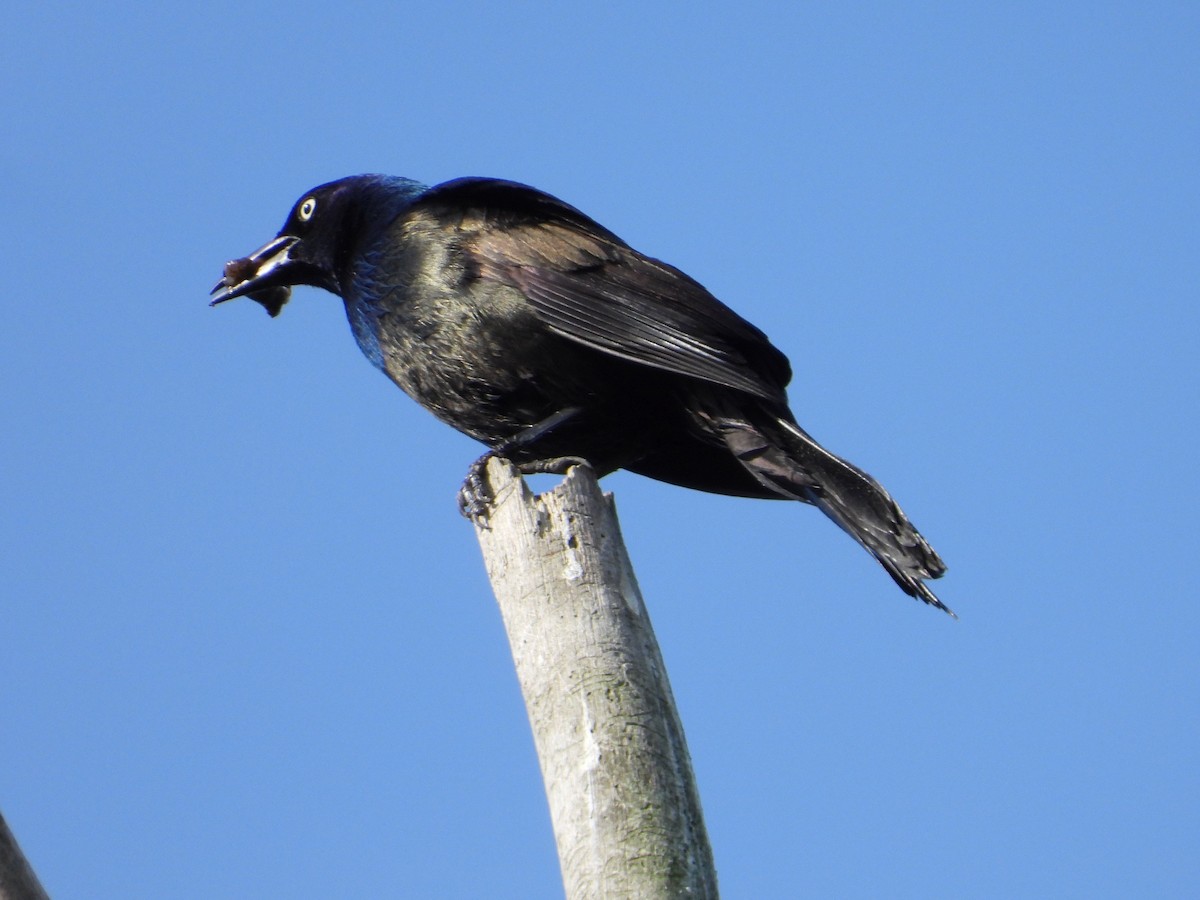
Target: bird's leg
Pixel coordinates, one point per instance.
(475, 495)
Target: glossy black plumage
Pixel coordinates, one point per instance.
(520, 321)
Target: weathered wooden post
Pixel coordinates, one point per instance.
(618, 777)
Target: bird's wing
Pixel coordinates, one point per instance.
(588, 285)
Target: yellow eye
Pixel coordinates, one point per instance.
(307, 208)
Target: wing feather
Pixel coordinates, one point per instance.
(589, 286)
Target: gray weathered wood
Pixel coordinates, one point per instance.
(618, 777)
(17, 881)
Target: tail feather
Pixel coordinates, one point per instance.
(787, 460)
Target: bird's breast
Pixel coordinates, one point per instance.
(478, 359)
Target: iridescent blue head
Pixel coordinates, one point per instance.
(317, 240)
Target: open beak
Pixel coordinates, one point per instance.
(262, 276)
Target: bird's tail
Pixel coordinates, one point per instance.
(787, 460)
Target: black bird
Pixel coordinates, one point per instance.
(528, 326)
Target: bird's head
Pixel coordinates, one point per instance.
(322, 231)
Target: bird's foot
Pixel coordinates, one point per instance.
(557, 465)
(475, 497)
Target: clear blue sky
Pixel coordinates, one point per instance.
(247, 648)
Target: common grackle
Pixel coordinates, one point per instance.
(523, 323)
